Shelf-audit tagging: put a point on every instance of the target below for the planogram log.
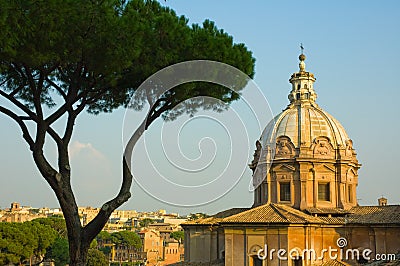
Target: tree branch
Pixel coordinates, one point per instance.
(36, 92)
(58, 88)
(45, 168)
(58, 113)
(97, 96)
(96, 225)
(69, 128)
(11, 94)
(156, 113)
(18, 104)
(30, 116)
(70, 99)
(4, 82)
(25, 133)
(150, 115)
(54, 135)
(60, 71)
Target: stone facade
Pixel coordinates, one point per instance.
(237, 239)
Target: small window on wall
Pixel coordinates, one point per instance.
(284, 191)
(324, 192)
(349, 193)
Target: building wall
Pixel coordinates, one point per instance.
(173, 252)
(19, 217)
(152, 246)
(204, 243)
(383, 239)
(242, 242)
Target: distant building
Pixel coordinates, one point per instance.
(15, 206)
(382, 201)
(174, 220)
(158, 247)
(18, 214)
(305, 174)
(87, 214)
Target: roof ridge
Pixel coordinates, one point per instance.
(292, 213)
(278, 211)
(304, 216)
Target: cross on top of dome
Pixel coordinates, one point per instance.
(302, 58)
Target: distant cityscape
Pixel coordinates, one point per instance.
(160, 232)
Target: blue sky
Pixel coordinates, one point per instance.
(352, 47)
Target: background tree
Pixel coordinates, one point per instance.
(103, 236)
(57, 223)
(59, 58)
(178, 235)
(126, 238)
(145, 222)
(96, 258)
(23, 242)
(58, 251)
(195, 216)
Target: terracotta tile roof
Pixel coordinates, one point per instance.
(327, 211)
(202, 221)
(333, 220)
(272, 213)
(278, 213)
(368, 215)
(334, 263)
(216, 218)
(375, 214)
(230, 212)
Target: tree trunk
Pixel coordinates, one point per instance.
(78, 242)
(78, 253)
(79, 237)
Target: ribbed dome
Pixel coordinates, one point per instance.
(302, 124)
(303, 120)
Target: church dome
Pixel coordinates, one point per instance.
(304, 157)
(303, 120)
(303, 124)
